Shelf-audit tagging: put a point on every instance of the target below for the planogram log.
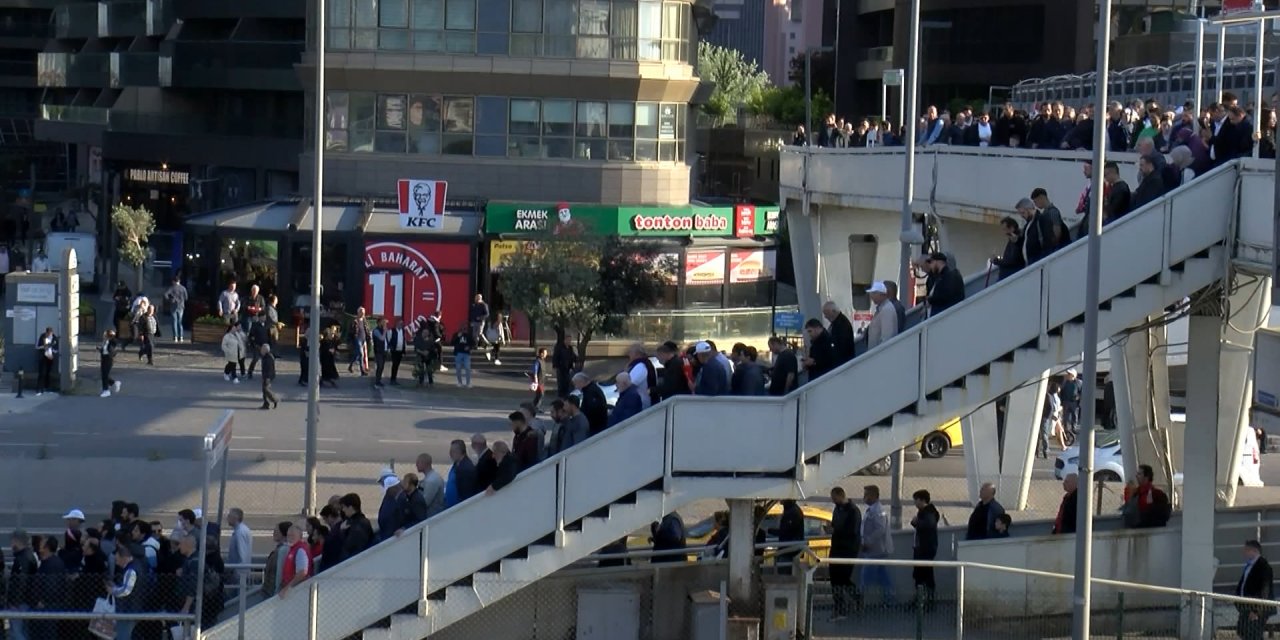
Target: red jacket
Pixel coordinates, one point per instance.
(291, 560)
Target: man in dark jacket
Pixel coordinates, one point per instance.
(846, 540)
(982, 522)
(785, 371)
(389, 512)
(486, 463)
(714, 378)
(269, 399)
(1256, 582)
(22, 587)
(1118, 197)
(841, 330)
(357, 531)
(946, 286)
(50, 588)
(629, 402)
(331, 553)
(594, 405)
(668, 535)
(1010, 262)
(822, 352)
(1038, 236)
(672, 379)
(258, 336)
(748, 376)
(1065, 522)
(926, 543)
(564, 361)
(505, 470)
(790, 532)
(524, 442)
(1151, 186)
(461, 483)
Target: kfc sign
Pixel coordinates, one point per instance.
(421, 203)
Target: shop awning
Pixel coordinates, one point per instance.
(298, 216)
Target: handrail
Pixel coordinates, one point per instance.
(1036, 573)
(27, 614)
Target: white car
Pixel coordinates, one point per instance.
(1108, 462)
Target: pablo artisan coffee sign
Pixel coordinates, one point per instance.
(680, 223)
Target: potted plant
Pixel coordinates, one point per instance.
(88, 317)
(208, 329)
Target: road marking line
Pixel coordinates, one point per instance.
(28, 444)
(240, 437)
(303, 439)
(400, 441)
(71, 433)
(279, 451)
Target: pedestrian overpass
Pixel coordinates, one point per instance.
(1210, 236)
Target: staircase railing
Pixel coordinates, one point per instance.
(761, 438)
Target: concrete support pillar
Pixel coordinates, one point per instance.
(1140, 376)
(804, 231)
(1219, 391)
(1021, 432)
(741, 554)
(981, 449)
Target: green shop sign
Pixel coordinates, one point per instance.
(741, 221)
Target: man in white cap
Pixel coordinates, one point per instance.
(1070, 396)
(884, 324)
(71, 552)
(714, 377)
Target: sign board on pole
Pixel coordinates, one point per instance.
(218, 440)
(421, 203)
(892, 77)
(788, 322)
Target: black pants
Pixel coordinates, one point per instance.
(144, 348)
(268, 397)
(843, 590)
(241, 367)
(1250, 629)
(923, 576)
(230, 370)
(105, 365)
(396, 357)
(304, 363)
(44, 373)
(380, 362)
(253, 361)
(564, 382)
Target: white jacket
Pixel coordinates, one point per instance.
(232, 347)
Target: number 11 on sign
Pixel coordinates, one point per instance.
(379, 283)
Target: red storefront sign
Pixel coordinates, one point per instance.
(744, 221)
(411, 280)
(1236, 6)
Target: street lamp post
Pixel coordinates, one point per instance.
(313, 332)
(1084, 527)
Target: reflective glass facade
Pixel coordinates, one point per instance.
(492, 126)
(649, 30)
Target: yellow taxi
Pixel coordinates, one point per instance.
(941, 440)
(817, 530)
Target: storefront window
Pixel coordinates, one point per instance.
(250, 262)
(704, 278)
(591, 29)
(751, 275)
(498, 126)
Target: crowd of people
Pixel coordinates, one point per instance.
(1218, 133)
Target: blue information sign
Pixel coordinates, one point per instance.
(788, 322)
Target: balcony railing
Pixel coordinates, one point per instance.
(265, 65)
(135, 69)
(82, 20)
(174, 124)
(75, 114)
(238, 9)
(74, 70)
(876, 54)
(126, 19)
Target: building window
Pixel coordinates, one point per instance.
(588, 29)
(494, 126)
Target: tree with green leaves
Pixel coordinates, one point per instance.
(580, 285)
(785, 105)
(134, 226)
(738, 82)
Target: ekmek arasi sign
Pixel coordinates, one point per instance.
(421, 203)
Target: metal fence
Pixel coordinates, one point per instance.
(981, 601)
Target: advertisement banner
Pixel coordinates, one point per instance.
(751, 265)
(744, 221)
(499, 250)
(704, 267)
(421, 203)
(1236, 6)
(411, 280)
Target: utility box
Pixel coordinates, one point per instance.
(781, 608)
(30, 305)
(705, 616)
(608, 613)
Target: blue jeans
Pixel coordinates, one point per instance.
(20, 629)
(462, 367)
(124, 629)
(877, 574)
(176, 316)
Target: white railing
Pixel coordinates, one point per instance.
(770, 436)
(1200, 602)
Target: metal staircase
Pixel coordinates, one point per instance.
(691, 448)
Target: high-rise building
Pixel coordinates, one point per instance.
(741, 26)
(179, 105)
(791, 28)
(26, 164)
